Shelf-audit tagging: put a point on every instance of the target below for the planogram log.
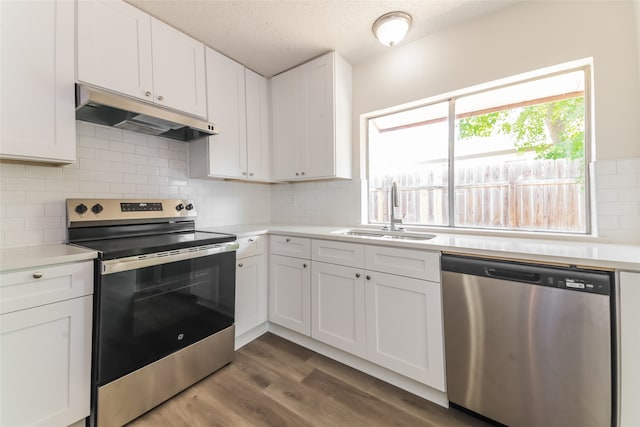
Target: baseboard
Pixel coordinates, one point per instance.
(362, 365)
(250, 335)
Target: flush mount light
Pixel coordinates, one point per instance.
(391, 27)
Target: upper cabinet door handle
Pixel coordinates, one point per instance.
(287, 240)
(250, 240)
(147, 94)
(161, 98)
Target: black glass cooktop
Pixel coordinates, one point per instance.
(139, 245)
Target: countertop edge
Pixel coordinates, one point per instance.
(38, 256)
(531, 250)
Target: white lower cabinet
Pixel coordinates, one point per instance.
(367, 300)
(45, 349)
(338, 307)
(290, 293)
(251, 293)
(404, 326)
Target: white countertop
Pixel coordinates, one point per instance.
(586, 254)
(35, 256)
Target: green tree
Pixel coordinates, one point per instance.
(554, 130)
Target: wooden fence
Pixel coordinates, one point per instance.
(524, 195)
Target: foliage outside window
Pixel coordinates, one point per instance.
(512, 158)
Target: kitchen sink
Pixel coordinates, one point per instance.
(385, 235)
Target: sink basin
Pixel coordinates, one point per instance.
(385, 235)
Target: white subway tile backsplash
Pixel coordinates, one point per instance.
(42, 196)
(12, 197)
(628, 166)
(606, 167)
(61, 185)
(55, 209)
(94, 164)
(116, 164)
(109, 133)
(12, 170)
(25, 184)
(50, 172)
(112, 156)
(112, 177)
(122, 188)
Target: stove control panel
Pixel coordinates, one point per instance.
(80, 210)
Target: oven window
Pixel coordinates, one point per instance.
(148, 313)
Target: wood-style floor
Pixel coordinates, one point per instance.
(274, 382)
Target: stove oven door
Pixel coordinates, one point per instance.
(149, 312)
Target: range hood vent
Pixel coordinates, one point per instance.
(107, 108)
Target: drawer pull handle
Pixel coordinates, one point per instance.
(368, 277)
(358, 275)
(287, 240)
(37, 275)
(240, 265)
(304, 265)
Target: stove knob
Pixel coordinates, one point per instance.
(179, 207)
(81, 208)
(189, 206)
(97, 208)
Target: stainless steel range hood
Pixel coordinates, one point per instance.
(110, 109)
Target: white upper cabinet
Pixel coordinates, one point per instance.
(258, 128)
(114, 47)
(226, 93)
(311, 107)
(238, 102)
(121, 48)
(178, 70)
(37, 120)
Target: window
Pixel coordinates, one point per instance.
(512, 158)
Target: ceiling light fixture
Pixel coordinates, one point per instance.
(391, 27)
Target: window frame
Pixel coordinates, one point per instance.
(586, 66)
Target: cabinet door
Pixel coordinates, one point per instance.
(337, 307)
(317, 156)
(404, 327)
(629, 347)
(114, 48)
(290, 293)
(179, 79)
(258, 134)
(226, 100)
(288, 124)
(45, 364)
(251, 293)
(37, 118)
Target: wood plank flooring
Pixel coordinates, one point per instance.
(274, 382)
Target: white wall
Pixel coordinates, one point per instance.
(118, 164)
(525, 37)
(522, 38)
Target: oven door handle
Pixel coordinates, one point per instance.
(133, 263)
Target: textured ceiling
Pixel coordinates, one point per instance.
(271, 36)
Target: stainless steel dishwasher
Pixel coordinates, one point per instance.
(527, 344)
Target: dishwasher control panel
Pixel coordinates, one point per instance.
(570, 278)
(585, 284)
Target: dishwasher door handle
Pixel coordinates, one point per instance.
(507, 274)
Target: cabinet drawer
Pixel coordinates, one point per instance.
(404, 262)
(250, 246)
(341, 253)
(290, 246)
(32, 287)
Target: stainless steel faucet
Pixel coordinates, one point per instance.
(395, 223)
